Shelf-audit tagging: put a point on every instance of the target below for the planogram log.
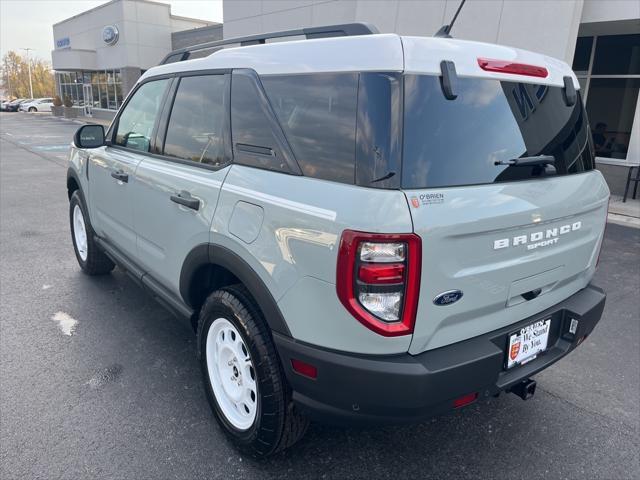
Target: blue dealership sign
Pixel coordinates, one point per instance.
(63, 43)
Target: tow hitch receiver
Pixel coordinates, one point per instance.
(525, 389)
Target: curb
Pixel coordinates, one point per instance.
(623, 220)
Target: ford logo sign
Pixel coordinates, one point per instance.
(447, 298)
(110, 34)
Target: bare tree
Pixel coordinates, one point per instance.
(15, 76)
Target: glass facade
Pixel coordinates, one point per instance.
(105, 91)
(608, 68)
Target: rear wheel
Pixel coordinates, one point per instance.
(92, 260)
(33, 109)
(244, 382)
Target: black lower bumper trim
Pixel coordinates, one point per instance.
(400, 388)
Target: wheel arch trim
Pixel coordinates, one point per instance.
(217, 255)
(72, 175)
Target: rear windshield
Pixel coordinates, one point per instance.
(457, 142)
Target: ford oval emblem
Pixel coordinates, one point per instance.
(110, 34)
(447, 298)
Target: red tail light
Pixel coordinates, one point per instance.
(378, 279)
(381, 274)
(503, 66)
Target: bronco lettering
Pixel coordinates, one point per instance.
(541, 238)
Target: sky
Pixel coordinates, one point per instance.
(27, 23)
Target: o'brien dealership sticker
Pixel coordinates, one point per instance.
(426, 199)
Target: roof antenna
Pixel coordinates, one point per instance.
(445, 30)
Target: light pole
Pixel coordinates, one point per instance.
(29, 66)
(8, 75)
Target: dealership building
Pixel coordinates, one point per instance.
(601, 39)
(99, 54)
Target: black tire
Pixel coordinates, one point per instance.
(278, 424)
(33, 109)
(96, 262)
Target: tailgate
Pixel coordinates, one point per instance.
(512, 249)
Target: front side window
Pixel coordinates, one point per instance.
(463, 141)
(196, 126)
(136, 121)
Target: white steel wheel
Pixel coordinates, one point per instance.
(232, 374)
(80, 233)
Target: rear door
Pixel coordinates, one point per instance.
(112, 168)
(511, 240)
(178, 188)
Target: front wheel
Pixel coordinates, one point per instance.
(244, 382)
(33, 109)
(91, 259)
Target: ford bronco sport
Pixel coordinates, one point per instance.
(358, 227)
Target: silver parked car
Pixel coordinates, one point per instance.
(365, 228)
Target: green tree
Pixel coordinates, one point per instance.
(15, 76)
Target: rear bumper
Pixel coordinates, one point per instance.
(401, 388)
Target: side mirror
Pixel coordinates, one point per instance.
(89, 136)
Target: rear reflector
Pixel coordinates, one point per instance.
(465, 400)
(502, 66)
(305, 369)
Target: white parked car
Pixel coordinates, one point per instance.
(37, 105)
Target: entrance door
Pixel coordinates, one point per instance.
(87, 92)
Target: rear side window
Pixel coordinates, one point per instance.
(254, 143)
(196, 125)
(136, 122)
(318, 115)
(457, 142)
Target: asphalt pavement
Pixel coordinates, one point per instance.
(98, 381)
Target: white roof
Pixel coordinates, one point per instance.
(384, 52)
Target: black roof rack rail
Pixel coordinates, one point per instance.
(341, 30)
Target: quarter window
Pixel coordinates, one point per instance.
(196, 126)
(137, 120)
(254, 143)
(318, 115)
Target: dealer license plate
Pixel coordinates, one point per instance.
(527, 343)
